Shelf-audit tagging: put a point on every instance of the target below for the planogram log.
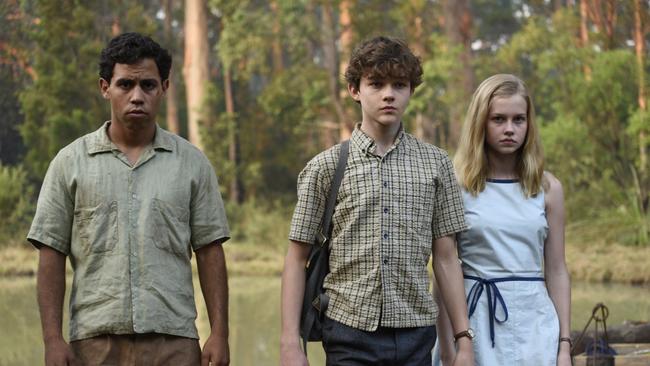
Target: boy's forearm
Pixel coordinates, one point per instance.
(449, 278)
(293, 289)
(50, 288)
(444, 330)
(213, 276)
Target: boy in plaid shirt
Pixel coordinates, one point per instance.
(398, 202)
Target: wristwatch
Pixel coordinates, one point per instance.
(469, 333)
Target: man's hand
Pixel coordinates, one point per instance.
(465, 353)
(59, 353)
(292, 356)
(215, 352)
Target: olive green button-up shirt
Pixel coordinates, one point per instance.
(129, 231)
(389, 210)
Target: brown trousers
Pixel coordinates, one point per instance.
(137, 349)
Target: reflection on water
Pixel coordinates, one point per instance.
(255, 318)
(254, 322)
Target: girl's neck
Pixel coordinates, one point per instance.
(502, 166)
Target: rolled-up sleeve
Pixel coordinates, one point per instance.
(208, 221)
(52, 224)
(448, 213)
(310, 206)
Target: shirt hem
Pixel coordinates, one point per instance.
(198, 244)
(82, 336)
(451, 231)
(50, 242)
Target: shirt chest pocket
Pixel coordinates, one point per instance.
(96, 229)
(172, 230)
(417, 200)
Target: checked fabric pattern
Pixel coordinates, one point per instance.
(389, 209)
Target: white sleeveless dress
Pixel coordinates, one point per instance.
(502, 254)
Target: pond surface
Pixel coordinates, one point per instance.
(255, 318)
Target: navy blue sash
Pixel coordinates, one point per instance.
(494, 297)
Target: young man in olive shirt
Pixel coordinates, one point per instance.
(128, 204)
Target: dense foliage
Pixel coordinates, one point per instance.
(289, 101)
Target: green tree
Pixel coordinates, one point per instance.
(63, 101)
(16, 205)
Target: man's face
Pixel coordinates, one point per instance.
(135, 92)
(383, 101)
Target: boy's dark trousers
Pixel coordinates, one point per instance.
(347, 346)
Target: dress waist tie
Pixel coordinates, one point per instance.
(494, 297)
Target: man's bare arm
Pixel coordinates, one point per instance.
(50, 290)
(211, 264)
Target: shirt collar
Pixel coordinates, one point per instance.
(367, 145)
(99, 141)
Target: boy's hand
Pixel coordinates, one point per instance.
(59, 353)
(465, 354)
(292, 356)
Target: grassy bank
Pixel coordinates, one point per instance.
(241, 258)
(593, 262)
(594, 252)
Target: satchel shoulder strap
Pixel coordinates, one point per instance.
(326, 229)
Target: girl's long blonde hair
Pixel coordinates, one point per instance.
(471, 162)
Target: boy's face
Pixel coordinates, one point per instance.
(135, 93)
(383, 101)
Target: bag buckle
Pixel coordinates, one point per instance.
(321, 239)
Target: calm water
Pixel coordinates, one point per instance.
(255, 320)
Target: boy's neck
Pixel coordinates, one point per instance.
(383, 135)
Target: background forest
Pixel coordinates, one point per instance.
(257, 84)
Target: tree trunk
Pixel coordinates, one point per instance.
(276, 45)
(345, 50)
(172, 104)
(584, 34)
(332, 66)
(235, 191)
(639, 46)
(458, 25)
(195, 69)
(604, 19)
(116, 24)
(417, 44)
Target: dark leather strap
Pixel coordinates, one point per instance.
(323, 240)
(326, 225)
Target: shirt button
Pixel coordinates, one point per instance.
(385, 184)
(385, 261)
(385, 210)
(133, 195)
(385, 235)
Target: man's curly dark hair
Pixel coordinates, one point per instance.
(130, 48)
(383, 57)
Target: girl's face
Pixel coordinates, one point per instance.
(507, 125)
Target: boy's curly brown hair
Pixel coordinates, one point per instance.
(381, 58)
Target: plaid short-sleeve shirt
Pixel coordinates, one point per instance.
(388, 211)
